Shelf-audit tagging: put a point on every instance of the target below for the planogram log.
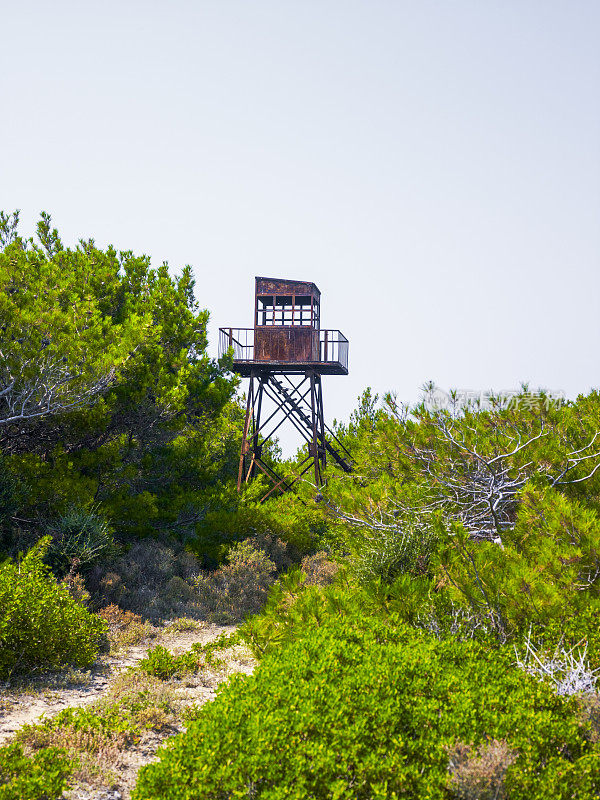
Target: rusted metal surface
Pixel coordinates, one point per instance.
(331, 357)
(286, 344)
(287, 330)
(298, 400)
(284, 355)
(271, 286)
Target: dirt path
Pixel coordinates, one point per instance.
(18, 708)
(23, 707)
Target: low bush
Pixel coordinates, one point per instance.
(478, 774)
(383, 554)
(39, 777)
(76, 586)
(184, 625)
(41, 625)
(161, 663)
(240, 587)
(125, 628)
(83, 728)
(300, 527)
(153, 579)
(319, 569)
(360, 707)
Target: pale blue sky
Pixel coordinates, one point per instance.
(433, 166)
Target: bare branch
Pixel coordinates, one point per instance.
(51, 388)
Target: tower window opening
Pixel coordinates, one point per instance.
(287, 310)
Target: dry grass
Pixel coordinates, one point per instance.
(96, 737)
(108, 740)
(478, 773)
(76, 586)
(183, 625)
(158, 581)
(319, 569)
(125, 628)
(143, 696)
(240, 587)
(153, 580)
(45, 683)
(589, 710)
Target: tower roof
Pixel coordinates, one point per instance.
(285, 286)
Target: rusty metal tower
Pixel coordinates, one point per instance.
(285, 355)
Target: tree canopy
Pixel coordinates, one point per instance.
(107, 393)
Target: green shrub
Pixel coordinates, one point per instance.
(79, 536)
(366, 708)
(547, 572)
(106, 723)
(11, 495)
(41, 625)
(293, 607)
(383, 554)
(39, 777)
(161, 663)
(287, 519)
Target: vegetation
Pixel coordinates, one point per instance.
(455, 654)
(161, 663)
(41, 625)
(361, 707)
(108, 401)
(427, 626)
(90, 743)
(41, 777)
(94, 738)
(492, 513)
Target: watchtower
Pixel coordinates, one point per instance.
(284, 355)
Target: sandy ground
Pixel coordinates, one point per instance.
(20, 707)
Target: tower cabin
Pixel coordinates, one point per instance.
(287, 336)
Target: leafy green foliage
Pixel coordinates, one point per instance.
(39, 777)
(476, 521)
(547, 570)
(41, 625)
(11, 496)
(383, 554)
(126, 410)
(161, 663)
(358, 707)
(470, 463)
(112, 722)
(301, 527)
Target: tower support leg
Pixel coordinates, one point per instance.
(247, 421)
(301, 404)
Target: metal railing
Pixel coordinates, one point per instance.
(240, 339)
(333, 345)
(333, 348)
